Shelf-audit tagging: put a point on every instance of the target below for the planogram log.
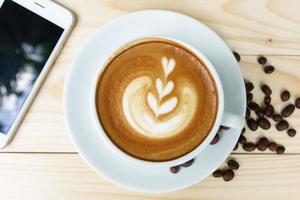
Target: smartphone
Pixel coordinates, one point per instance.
(32, 33)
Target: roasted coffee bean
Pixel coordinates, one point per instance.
(243, 130)
(269, 69)
(261, 147)
(248, 113)
(259, 112)
(242, 139)
(282, 125)
(285, 95)
(218, 173)
(249, 87)
(236, 146)
(288, 110)
(264, 141)
(262, 144)
(233, 164)
(215, 140)
(237, 56)
(225, 128)
(297, 103)
(273, 146)
(249, 98)
(252, 124)
(280, 150)
(228, 175)
(266, 90)
(188, 163)
(264, 123)
(249, 147)
(291, 132)
(253, 106)
(175, 169)
(267, 100)
(269, 110)
(277, 118)
(262, 60)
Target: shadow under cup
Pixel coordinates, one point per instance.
(158, 100)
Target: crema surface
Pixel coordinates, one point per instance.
(156, 100)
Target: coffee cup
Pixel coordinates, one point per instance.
(159, 132)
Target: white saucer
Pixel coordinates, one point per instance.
(79, 82)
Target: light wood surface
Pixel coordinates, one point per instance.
(42, 163)
(65, 176)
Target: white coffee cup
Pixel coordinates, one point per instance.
(225, 118)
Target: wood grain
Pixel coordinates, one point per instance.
(248, 26)
(66, 176)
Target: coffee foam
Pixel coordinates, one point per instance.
(156, 100)
(143, 109)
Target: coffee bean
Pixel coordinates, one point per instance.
(249, 147)
(252, 124)
(262, 144)
(236, 146)
(262, 60)
(259, 112)
(249, 98)
(297, 103)
(264, 123)
(285, 95)
(233, 164)
(243, 130)
(269, 69)
(269, 110)
(237, 56)
(253, 106)
(218, 173)
(266, 90)
(188, 163)
(175, 169)
(273, 146)
(249, 87)
(264, 141)
(282, 125)
(280, 150)
(277, 118)
(291, 132)
(242, 139)
(228, 175)
(248, 113)
(267, 100)
(288, 110)
(215, 140)
(225, 128)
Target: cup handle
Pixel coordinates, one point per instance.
(232, 120)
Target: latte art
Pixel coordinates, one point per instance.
(153, 114)
(156, 100)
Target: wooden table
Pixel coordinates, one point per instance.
(42, 163)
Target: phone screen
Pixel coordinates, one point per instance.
(26, 42)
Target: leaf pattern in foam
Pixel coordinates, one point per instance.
(169, 88)
(159, 87)
(168, 65)
(152, 102)
(163, 90)
(167, 106)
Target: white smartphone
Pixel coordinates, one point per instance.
(31, 34)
